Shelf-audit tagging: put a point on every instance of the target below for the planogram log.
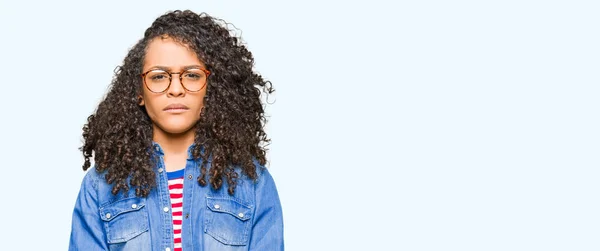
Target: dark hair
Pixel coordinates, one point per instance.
(230, 129)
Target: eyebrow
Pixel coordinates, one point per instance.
(169, 69)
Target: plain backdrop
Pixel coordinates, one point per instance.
(397, 125)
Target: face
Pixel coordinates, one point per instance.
(176, 110)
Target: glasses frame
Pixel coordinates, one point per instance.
(207, 72)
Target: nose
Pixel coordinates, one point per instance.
(176, 89)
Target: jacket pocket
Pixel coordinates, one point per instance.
(228, 220)
(124, 219)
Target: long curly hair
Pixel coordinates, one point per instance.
(118, 135)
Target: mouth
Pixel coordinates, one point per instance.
(176, 108)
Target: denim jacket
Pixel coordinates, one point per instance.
(251, 219)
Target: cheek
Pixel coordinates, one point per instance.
(152, 106)
(199, 103)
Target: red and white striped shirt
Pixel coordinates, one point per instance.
(176, 193)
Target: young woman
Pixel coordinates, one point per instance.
(178, 148)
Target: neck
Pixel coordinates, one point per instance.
(173, 144)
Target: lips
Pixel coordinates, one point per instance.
(175, 108)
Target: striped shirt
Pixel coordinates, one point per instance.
(176, 193)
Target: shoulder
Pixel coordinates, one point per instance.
(92, 178)
(262, 175)
(263, 180)
(95, 181)
(245, 186)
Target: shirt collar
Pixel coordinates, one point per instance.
(158, 150)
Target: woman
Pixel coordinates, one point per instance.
(178, 148)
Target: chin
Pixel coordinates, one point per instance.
(176, 129)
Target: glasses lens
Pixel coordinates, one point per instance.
(157, 80)
(193, 79)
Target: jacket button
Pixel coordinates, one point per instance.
(134, 206)
(166, 209)
(160, 170)
(108, 216)
(190, 177)
(187, 216)
(217, 206)
(241, 215)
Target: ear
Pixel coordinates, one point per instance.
(141, 100)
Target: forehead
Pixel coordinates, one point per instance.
(167, 52)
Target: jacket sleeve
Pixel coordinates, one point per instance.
(87, 231)
(267, 229)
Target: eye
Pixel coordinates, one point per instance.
(158, 76)
(192, 75)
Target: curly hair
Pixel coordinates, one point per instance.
(230, 129)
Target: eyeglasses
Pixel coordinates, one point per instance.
(192, 80)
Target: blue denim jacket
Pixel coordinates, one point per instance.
(251, 219)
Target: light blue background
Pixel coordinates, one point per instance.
(414, 125)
